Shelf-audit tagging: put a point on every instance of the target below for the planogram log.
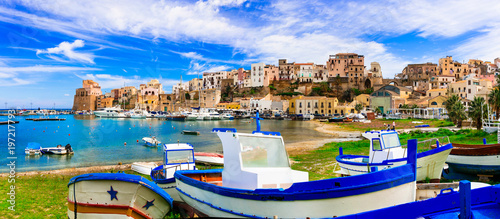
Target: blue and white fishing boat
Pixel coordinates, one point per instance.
(179, 156)
(151, 142)
(471, 161)
(464, 204)
(116, 195)
(33, 148)
(257, 182)
(386, 152)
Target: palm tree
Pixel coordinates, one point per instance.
(494, 100)
(476, 111)
(456, 110)
(358, 107)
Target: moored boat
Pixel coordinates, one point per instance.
(151, 142)
(33, 148)
(257, 182)
(468, 161)
(59, 150)
(116, 195)
(179, 156)
(187, 132)
(209, 158)
(386, 152)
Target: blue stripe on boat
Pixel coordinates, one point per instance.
(485, 203)
(474, 169)
(125, 178)
(320, 189)
(161, 181)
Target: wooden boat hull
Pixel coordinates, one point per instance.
(209, 158)
(485, 165)
(143, 167)
(166, 181)
(214, 200)
(116, 195)
(429, 164)
(473, 160)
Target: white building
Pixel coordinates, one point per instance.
(305, 73)
(212, 80)
(257, 75)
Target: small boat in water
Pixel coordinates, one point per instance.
(228, 116)
(59, 150)
(33, 148)
(151, 142)
(116, 195)
(179, 156)
(143, 167)
(386, 152)
(469, 161)
(209, 158)
(257, 182)
(187, 132)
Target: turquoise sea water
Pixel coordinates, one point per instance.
(100, 141)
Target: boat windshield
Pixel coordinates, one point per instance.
(259, 151)
(181, 156)
(391, 140)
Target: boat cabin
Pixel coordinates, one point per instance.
(384, 145)
(257, 160)
(178, 156)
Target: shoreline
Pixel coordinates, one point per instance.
(296, 148)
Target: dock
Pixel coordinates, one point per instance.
(46, 119)
(8, 122)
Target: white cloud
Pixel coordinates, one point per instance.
(68, 50)
(45, 68)
(66, 95)
(196, 68)
(294, 29)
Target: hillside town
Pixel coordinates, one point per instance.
(342, 85)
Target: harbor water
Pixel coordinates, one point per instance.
(101, 141)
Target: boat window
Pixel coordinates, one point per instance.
(263, 152)
(391, 140)
(376, 145)
(183, 156)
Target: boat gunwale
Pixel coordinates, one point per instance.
(311, 190)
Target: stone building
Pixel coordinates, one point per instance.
(286, 70)
(210, 98)
(347, 65)
(86, 97)
(212, 80)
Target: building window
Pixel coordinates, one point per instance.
(300, 104)
(309, 105)
(292, 104)
(469, 91)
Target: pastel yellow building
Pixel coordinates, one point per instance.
(363, 99)
(233, 106)
(437, 92)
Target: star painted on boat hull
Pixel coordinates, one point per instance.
(148, 204)
(113, 193)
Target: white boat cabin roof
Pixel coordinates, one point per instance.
(257, 160)
(386, 139)
(177, 146)
(384, 145)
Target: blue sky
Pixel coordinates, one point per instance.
(49, 47)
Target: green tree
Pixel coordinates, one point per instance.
(358, 107)
(494, 100)
(477, 111)
(378, 110)
(187, 96)
(456, 110)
